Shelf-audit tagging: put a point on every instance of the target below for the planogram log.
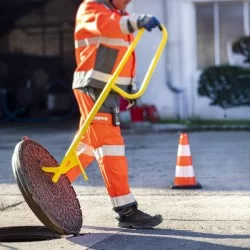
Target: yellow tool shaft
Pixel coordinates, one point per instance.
(70, 155)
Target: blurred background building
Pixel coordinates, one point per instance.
(37, 53)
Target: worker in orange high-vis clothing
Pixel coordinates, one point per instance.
(103, 32)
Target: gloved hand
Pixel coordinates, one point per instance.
(148, 22)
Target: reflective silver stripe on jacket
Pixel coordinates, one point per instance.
(102, 40)
(100, 76)
(109, 150)
(123, 200)
(132, 19)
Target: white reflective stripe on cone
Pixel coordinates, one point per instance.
(109, 150)
(84, 148)
(123, 200)
(183, 150)
(187, 171)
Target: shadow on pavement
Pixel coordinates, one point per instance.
(112, 238)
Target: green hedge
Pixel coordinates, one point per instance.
(227, 86)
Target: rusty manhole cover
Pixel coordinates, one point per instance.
(55, 205)
(26, 234)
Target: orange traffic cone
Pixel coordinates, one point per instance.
(184, 173)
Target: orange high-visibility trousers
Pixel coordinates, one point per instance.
(103, 142)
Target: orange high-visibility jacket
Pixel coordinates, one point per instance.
(101, 40)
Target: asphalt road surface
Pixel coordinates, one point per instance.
(214, 217)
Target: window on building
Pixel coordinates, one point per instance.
(205, 34)
(218, 23)
(231, 26)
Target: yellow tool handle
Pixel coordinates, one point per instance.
(70, 154)
(150, 71)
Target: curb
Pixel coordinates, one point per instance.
(147, 127)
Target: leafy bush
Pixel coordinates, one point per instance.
(242, 46)
(227, 86)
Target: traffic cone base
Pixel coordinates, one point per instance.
(193, 186)
(184, 173)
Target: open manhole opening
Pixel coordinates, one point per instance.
(26, 234)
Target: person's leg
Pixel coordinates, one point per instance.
(109, 151)
(108, 146)
(86, 156)
(84, 150)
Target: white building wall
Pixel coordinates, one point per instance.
(157, 92)
(178, 63)
(174, 57)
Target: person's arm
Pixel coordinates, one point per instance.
(93, 18)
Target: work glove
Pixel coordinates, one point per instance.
(134, 22)
(148, 22)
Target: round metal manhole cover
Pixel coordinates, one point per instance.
(56, 205)
(26, 234)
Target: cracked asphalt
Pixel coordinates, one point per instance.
(214, 217)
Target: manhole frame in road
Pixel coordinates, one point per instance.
(27, 234)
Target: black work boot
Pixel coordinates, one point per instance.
(132, 217)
